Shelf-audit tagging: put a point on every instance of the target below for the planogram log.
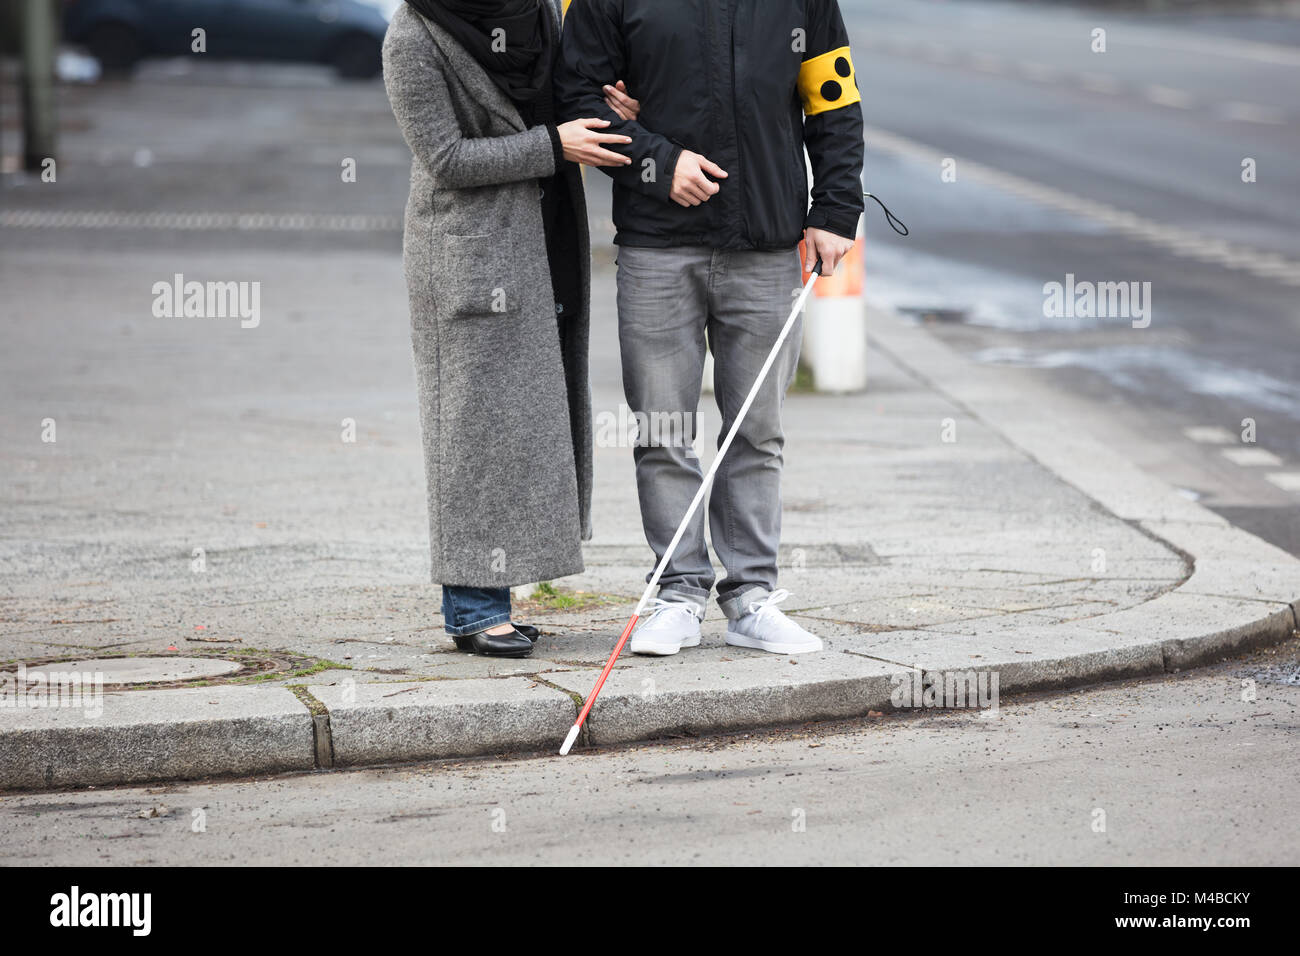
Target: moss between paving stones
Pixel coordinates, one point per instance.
(547, 597)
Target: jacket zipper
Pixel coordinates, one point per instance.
(735, 112)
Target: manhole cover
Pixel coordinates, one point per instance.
(140, 670)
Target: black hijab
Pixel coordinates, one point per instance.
(518, 57)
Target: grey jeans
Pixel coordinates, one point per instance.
(668, 301)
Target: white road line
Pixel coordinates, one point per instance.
(1210, 435)
(1252, 113)
(197, 221)
(1168, 96)
(987, 64)
(1242, 49)
(1038, 71)
(1286, 480)
(1251, 457)
(936, 51)
(1100, 83)
(1179, 241)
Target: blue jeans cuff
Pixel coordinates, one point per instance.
(477, 626)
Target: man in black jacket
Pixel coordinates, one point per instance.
(708, 214)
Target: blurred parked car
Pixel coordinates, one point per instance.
(346, 34)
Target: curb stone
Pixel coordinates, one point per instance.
(156, 735)
(421, 720)
(749, 693)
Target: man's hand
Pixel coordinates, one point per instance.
(827, 246)
(618, 99)
(690, 186)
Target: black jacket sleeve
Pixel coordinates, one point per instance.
(832, 129)
(592, 53)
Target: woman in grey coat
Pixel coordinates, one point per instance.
(497, 265)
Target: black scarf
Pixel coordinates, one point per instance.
(520, 64)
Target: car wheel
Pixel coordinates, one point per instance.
(357, 57)
(116, 46)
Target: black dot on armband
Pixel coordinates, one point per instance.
(831, 91)
(842, 66)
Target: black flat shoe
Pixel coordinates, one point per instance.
(528, 631)
(510, 644)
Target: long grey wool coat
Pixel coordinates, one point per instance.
(505, 404)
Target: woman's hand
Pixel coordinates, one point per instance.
(582, 144)
(617, 99)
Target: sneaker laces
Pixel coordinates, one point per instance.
(663, 604)
(768, 603)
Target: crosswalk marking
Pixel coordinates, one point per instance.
(1168, 96)
(1253, 113)
(1251, 457)
(1100, 83)
(1210, 435)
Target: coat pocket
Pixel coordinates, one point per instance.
(478, 276)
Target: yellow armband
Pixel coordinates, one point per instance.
(827, 82)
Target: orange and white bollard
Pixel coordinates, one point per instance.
(835, 326)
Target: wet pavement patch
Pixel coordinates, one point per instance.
(935, 314)
(1283, 673)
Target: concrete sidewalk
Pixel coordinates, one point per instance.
(200, 502)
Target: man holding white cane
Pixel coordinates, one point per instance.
(708, 213)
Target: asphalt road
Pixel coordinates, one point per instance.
(1052, 142)
(1182, 770)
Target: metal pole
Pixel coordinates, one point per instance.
(39, 40)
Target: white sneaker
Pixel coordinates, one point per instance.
(671, 626)
(767, 629)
